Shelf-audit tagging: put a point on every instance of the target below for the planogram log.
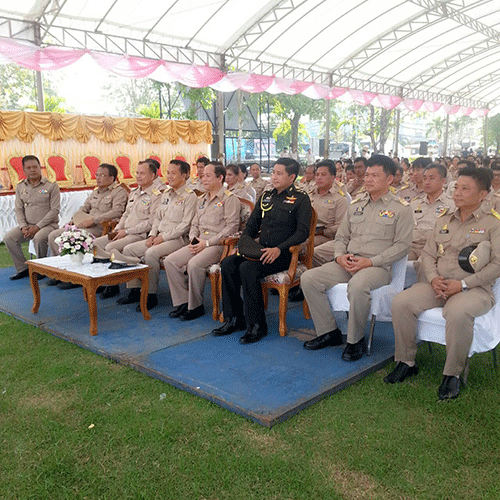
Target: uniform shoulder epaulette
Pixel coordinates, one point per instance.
(392, 189)
(228, 193)
(496, 194)
(495, 213)
(300, 190)
(155, 191)
(341, 192)
(403, 201)
(355, 200)
(415, 198)
(406, 186)
(189, 190)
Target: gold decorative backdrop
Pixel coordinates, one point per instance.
(75, 136)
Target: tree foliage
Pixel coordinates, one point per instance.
(494, 132)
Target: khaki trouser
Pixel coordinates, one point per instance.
(152, 257)
(186, 274)
(14, 238)
(323, 252)
(106, 244)
(54, 247)
(315, 283)
(459, 312)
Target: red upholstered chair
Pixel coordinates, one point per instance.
(58, 170)
(124, 163)
(90, 164)
(158, 159)
(15, 168)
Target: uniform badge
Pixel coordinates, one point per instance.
(386, 213)
(418, 210)
(440, 249)
(155, 192)
(475, 230)
(330, 202)
(358, 211)
(165, 201)
(145, 202)
(42, 191)
(290, 199)
(219, 204)
(440, 211)
(444, 230)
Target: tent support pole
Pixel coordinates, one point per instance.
(446, 133)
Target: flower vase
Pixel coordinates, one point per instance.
(77, 258)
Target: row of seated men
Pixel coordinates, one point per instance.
(376, 229)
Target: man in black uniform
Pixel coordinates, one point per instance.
(282, 215)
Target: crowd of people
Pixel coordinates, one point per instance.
(371, 212)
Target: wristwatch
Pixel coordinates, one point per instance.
(464, 285)
(207, 243)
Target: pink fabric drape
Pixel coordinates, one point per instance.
(49, 58)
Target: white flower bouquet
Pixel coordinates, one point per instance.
(74, 241)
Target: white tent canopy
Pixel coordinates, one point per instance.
(418, 51)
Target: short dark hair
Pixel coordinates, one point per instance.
(399, 168)
(383, 161)
(405, 161)
(495, 166)
(421, 162)
(112, 170)
(153, 162)
(255, 163)
(291, 165)
(243, 168)
(219, 169)
(203, 159)
(480, 175)
(152, 167)
(349, 167)
(486, 161)
(328, 163)
(361, 159)
(31, 157)
(443, 173)
(235, 169)
(468, 163)
(184, 167)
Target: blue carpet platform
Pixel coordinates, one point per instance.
(267, 382)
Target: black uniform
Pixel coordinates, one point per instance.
(283, 221)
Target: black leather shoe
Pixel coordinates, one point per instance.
(20, 276)
(254, 334)
(191, 314)
(353, 352)
(67, 286)
(151, 302)
(449, 388)
(110, 291)
(133, 296)
(330, 338)
(178, 311)
(53, 282)
(230, 326)
(401, 372)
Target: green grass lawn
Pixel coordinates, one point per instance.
(76, 425)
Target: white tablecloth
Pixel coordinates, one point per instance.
(87, 269)
(71, 201)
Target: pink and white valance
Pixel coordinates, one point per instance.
(49, 58)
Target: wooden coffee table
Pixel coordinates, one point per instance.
(90, 276)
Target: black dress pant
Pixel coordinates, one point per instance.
(240, 273)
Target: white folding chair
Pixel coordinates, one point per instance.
(381, 297)
(431, 328)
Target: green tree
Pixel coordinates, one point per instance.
(54, 104)
(493, 133)
(18, 88)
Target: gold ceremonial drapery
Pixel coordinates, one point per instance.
(57, 127)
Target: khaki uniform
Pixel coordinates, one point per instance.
(102, 204)
(214, 221)
(34, 205)
(195, 183)
(306, 186)
(172, 222)
(440, 258)
(492, 200)
(400, 190)
(353, 190)
(330, 209)
(137, 219)
(260, 185)
(159, 184)
(380, 231)
(425, 215)
(411, 193)
(240, 190)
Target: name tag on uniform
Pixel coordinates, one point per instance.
(418, 210)
(386, 213)
(444, 230)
